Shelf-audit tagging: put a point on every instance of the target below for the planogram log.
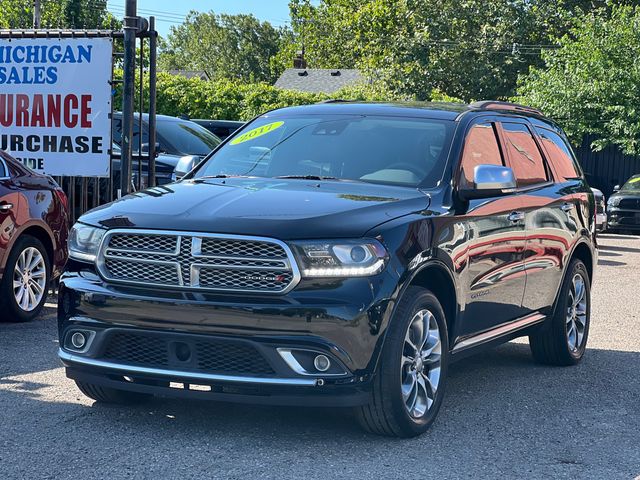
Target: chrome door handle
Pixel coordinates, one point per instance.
(5, 207)
(566, 206)
(516, 217)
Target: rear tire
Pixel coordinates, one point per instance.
(393, 409)
(25, 282)
(563, 340)
(111, 395)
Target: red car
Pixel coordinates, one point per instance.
(34, 223)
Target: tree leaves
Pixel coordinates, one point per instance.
(591, 85)
(224, 46)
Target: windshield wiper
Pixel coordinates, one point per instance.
(307, 177)
(220, 175)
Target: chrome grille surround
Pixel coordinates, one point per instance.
(197, 261)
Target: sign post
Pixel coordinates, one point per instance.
(55, 104)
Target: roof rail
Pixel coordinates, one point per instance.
(497, 105)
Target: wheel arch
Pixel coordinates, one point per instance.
(436, 277)
(582, 251)
(42, 234)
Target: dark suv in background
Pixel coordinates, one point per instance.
(339, 254)
(624, 207)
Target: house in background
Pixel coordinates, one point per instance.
(190, 74)
(318, 80)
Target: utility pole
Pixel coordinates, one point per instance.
(153, 47)
(130, 29)
(36, 13)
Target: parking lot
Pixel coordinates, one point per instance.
(503, 415)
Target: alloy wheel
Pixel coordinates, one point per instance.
(576, 319)
(29, 279)
(421, 361)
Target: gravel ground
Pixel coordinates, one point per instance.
(503, 415)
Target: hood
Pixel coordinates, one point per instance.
(285, 209)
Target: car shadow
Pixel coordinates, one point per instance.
(610, 263)
(605, 253)
(617, 248)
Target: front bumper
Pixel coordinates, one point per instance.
(341, 320)
(224, 388)
(623, 219)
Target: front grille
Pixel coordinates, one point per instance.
(206, 355)
(197, 261)
(630, 203)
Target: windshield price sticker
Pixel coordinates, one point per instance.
(256, 132)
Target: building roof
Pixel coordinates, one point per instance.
(190, 74)
(318, 80)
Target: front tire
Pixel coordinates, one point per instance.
(564, 340)
(409, 385)
(25, 282)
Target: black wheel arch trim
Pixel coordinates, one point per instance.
(406, 280)
(570, 257)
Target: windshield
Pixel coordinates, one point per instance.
(393, 150)
(632, 185)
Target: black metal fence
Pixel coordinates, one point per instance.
(606, 168)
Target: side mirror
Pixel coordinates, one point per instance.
(490, 181)
(184, 166)
(616, 188)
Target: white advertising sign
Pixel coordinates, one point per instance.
(55, 100)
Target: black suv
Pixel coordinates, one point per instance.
(339, 254)
(624, 206)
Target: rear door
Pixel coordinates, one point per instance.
(549, 208)
(494, 255)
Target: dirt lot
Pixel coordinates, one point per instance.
(503, 415)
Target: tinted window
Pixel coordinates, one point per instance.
(405, 151)
(480, 148)
(185, 138)
(524, 156)
(117, 133)
(174, 137)
(3, 170)
(559, 153)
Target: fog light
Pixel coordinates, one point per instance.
(78, 340)
(322, 363)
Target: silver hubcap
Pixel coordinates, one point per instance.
(29, 279)
(576, 313)
(421, 356)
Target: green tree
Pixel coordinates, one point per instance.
(225, 46)
(591, 84)
(58, 14)
(473, 49)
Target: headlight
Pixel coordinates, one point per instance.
(343, 258)
(84, 241)
(613, 201)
